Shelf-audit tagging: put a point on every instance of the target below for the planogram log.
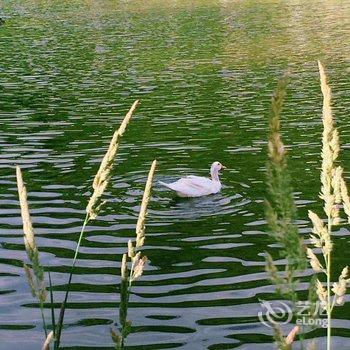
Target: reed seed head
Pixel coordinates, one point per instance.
(322, 294)
(139, 267)
(140, 226)
(29, 239)
(37, 286)
(30, 279)
(102, 177)
(336, 184)
(136, 258)
(315, 241)
(330, 151)
(131, 250)
(315, 263)
(272, 270)
(116, 338)
(48, 340)
(321, 231)
(276, 149)
(339, 288)
(281, 341)
(292, 334)
(345, 198)
(280, 208)
(124, 267)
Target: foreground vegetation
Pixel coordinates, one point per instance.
(36, 273)
(281, 215)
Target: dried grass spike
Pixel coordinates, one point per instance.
(116, 338)
(127, 118)
(339, 289)
(315, 263)
(315, 241)
(322, 294)
(336, 184)
(330, 147)
(30, 279)
(103, 174)
(140, 226)
(28, 230)
(139, 267)
(326, 91)
(345, 198)
(292, 334)
(124, 267)
(48, 340)
(131, 250)
(321, 231)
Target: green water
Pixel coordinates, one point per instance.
(204, 72)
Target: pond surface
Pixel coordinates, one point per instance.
(204, 72)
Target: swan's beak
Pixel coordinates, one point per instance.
(223, 167)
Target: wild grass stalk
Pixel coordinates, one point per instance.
(333, 193)
(94, 205)
(34, 274)
(138, 263)
(280, 207)
(281, 214)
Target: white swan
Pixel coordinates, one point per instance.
(197, 186)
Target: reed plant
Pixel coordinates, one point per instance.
(281, 216)
(334, 195)
(280, 208)
(35, 274)
(94, 205)
(137, 262)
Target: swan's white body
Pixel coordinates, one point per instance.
(197, 186)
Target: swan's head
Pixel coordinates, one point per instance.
(216, 167)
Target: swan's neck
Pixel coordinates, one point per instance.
(215, 175)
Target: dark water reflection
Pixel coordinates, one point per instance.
(204, 72)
